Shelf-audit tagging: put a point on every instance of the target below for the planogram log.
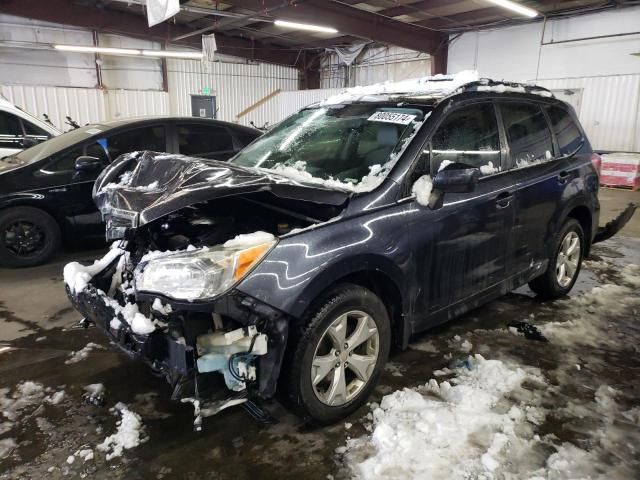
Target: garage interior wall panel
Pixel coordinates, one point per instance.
(136, 103)
(236, 87)
(84, 105)
(601, 76)
(374, 65)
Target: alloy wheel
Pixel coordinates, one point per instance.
(24, 238)
(568, 258)
(345, 358)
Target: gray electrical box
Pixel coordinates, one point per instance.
(203, 106)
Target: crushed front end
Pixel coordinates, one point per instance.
(165, 292)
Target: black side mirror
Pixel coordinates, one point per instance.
(86, 163)
(456, 180)
(28, 142)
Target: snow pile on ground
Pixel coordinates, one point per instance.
(83, 354)
(7, 445)
(422, 189)
(246, 240)
(434, 85)
(467, 427)
(26, 394)
(78, 276)
(128, 435)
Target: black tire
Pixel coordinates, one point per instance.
(46, 232)
(296, 388)
(547, 286)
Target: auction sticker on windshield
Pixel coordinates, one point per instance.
(392, 117)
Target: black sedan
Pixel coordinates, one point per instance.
(45, 191)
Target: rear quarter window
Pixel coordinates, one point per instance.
(567, 132)
(528, 133)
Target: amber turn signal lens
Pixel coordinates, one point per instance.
(247, 258)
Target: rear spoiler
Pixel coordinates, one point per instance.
(615, 225)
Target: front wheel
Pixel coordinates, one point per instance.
(336, 356)
(565, 264)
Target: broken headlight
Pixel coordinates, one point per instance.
(199, 274)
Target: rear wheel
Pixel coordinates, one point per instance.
(336, 356)
(28, 237)
(565, 263)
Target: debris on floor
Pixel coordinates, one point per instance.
(530, 332)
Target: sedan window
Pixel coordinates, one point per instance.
(10, 130)
(468, 136)
(528, 134)
(203, 140)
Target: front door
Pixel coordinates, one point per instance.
(464, 253)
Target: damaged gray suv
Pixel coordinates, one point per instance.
(293, 268)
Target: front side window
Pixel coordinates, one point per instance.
(567, 133)
(203, 140)
(34, 131)
(343, 146)
(528, 133)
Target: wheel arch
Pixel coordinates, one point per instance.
(33, 201)
(375, 273)
(582, 214)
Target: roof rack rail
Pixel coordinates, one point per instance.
(489, 85)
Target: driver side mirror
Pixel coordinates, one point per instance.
(456, 180)
(86, 163)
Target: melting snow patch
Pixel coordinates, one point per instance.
(160, 308)
(463, 428)
(249, 240)
(422, 189)
(127, 436)
(75, 357)
(7, 445)
(78, 276)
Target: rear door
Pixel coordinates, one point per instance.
(542, 171)
(205, 140)
(464, 252)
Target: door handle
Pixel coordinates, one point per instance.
(504, 199)
(563, 177)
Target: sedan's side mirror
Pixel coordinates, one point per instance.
(456, 180)
(86, 163)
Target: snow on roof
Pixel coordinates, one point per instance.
(437, 85)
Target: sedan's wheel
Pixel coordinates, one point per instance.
(336, 354)
(28, 237)
(564, 265)
(345, 358)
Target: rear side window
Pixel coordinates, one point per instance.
(469, 136)
(203, 139)
(528, 134)
(33, 130)
(10, 125)
(567, 132)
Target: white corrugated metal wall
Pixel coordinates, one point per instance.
(609, 109)
(602, 72)
(235, 85)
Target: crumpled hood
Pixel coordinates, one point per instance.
(144, 186)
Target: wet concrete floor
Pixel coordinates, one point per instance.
(37, 338)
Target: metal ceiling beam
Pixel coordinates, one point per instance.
(123, 23)
(350, 21)
(421, 6)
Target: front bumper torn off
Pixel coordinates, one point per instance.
(174, 357)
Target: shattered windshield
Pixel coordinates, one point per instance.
(350, 146)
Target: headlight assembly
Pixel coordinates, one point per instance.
(199, 274)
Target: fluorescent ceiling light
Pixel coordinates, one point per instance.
(107, 50)
(129, 51)
(172, 54)
(516, 7)
(304, 26)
